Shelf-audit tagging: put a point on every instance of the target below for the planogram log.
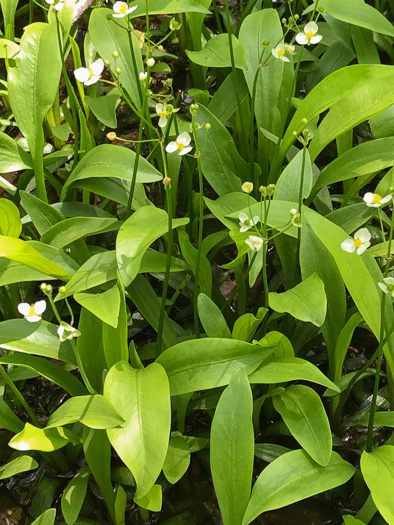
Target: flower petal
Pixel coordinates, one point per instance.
(301, 39)
(389, 280)
(159, 108)
(311, 26)
(131, 9)
(184, 138)
(82, 74)
(244, 229)
(40, 307)
(171, 147)
(120, 15)
(361, 249)
(59, 6)
(98, 66)
(348, 246)
(243, 217)
(363, 234)
(368, 197)
(383, 287)
(33, 318)
(185, 151)
(386, 199)
(284, 59)
(92, 80)
(316, 39)
(118, 5)
(162, 122)
(24, 308)
(255, 220)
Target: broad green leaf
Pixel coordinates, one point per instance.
(212, 318)
(39, 47)
(33, 438)
(46, 518)
(40, 338)
(55, 255)
(177, 460)
(12, 157)
(292, 477)
(61, 132)
(8, 48)
(381, 419)
(225, 205)
(216, 53)
(232, 449)
(220, 162)
(382, 124)
(115, 339)
(142, 398)
(120, 506)
(74, 495)
(93, 411)
(108, 160)
(351, 520)
(8, 419)
(70, 230)
(190, 253)
(288, 186)
(8, 8)
(161, 7)
(377, 468)
(359, 13)
(47, 369)
(21, 251)
(108, 34)
(136, 235)
(245, 326)
(283, 369)
(152, 500)
(224, 102)
(306, 301)
(42, 214)
(304, 415)
(343, 343)
(104, 108)
(18, 465)
(10, 222)
(201, 364)
(104, 305)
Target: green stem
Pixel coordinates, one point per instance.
(8, 381)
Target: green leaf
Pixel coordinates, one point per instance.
(18, 465)
(10, 222)
(35, 338)
(42, 214)
(108, 160)
(8, 48)
(74, 495)
(351, 520)
(377, 468)
(307, 301)
(283, 369)
(304, 415)
(216, 53)
(142, 398)
(8, 8)
(288, 186)
(46, 518)
(359, 13)
(212, 318)
(47, 369)
(201, 364)
(70, 230)
(104, 108)
(61, 132)
(33, 438)
(136, 235)
(109, 34)
(104, 305)
(8, 419)
(292, 477)
(94, 411)
(152, 500)
(245, 326)
(161, 7)
(190, 253)
(12, 157)
(177, 460)
(115, 339)
(232, 449)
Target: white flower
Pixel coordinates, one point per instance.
(58, 4)
(255, 243)
(32, 312)
(181, 144)
(295, 218)
(66, 331)
(309, 36)
(387, 286)
(279, 52)
(247, 187)
(289, 48)
(245, 223)
(151, 62)
(360, 242)
(374, 200)
(163, 110)
(122, 9)
(90, 75)
(143, 76)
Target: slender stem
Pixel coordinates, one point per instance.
(8, 381)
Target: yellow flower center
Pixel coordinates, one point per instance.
(309, 34)
(281, 52)
(122, 9)
(32, 311)
(377, 198)
(358, 242)
(163, 113)
(91, 74)
(180, 145)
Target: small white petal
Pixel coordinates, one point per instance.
(184, 138)
(311, 26)
(389, 280)
(33, 318)
(275, 52)
(383, 287)
(171, 147)
(82, 74)
(284, 59)
(243, 217)
(184, 151)
(92, 80)
(316, 39)
(368, 197)
(97, 67)
(348, 246)
(255, 220)
(162, 122)
(386, 199)
(159, 108)
(120, 15)
(131, 9)
(40, 307)
(301, 39)
(59, 6)
(361, 249)
(244, 229)
(50, 2)
(118, 6)
(24, 308)
(363, 234)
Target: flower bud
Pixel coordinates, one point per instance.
(296, 17)
(107, 63)
(43, 286)
(207, 126)
(111, 135)
(143, 76)
(284, 21)
(62, 289)
(271, 189)
(265, 43)
(115, 54)
(150, 62)
(118, 70)
(166, 181)
(263, 190)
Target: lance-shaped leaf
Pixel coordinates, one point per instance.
(17, 465)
